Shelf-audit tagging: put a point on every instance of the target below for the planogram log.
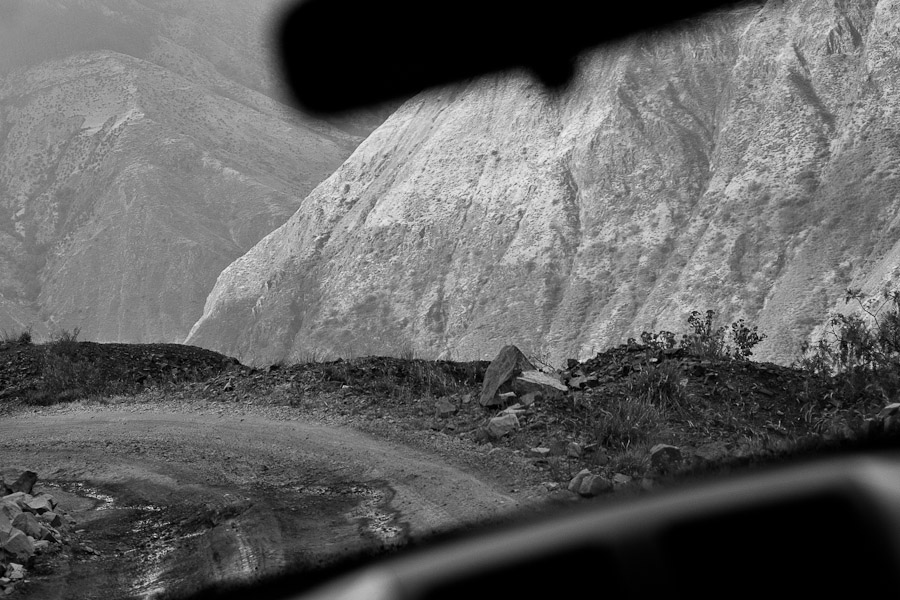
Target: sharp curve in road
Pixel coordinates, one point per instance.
(174, 501)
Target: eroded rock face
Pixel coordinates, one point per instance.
(129, 181)
(746, 162)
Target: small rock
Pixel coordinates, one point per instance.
(573, 450)
(530, 398)
(444, 409)
(41, 546)
(536, 381)
(25, 482)
(647, 484)
(18, 545)
(20, 499)
(481, 435)
(15, 572)
(503, 425)
(26, 523)
(620, 480)
(594, 485)
(664, 457)
(575, 484)
(550, 486)
(52, 519)
(41, 504)
(540, 452)
(8, 511)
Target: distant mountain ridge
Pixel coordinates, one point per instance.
(142, 149)
(746, 162)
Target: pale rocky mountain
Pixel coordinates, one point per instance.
(143, 148)
(747, 162)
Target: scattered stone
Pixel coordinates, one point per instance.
(664, 457)
(25, 482)
(530, 398)
(575, 484)
(594, 485)
(620, 480)
(503, 425)
(41, 504)
(508, 364)
(573, 450)
(444, 409)
(710, 452)
(50, 534)
(15, 572)
(481, 435)
(26, 523)
(52, 519)
(8, 512)
(536, 381)
(20, 499)
(41, 546)
(18, 545)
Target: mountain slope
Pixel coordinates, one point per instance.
(745, 162)
(129, 180)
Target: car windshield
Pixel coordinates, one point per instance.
(241, 340)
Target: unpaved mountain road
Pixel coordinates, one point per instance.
(173, 501)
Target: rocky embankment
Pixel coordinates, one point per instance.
(30, 526)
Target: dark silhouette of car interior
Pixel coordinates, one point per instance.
(824, 526)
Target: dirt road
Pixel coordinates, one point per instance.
(171, 501)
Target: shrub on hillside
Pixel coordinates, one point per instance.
(868, 342)
(66, 376)
(861, 351)
(708, 341)
(23, 338)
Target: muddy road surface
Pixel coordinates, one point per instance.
(167, 503)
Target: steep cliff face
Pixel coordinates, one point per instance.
(745, 162)
(128, 181)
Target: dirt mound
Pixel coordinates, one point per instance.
(67, 370)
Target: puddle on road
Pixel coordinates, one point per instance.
(182, 548)
(372, 515)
